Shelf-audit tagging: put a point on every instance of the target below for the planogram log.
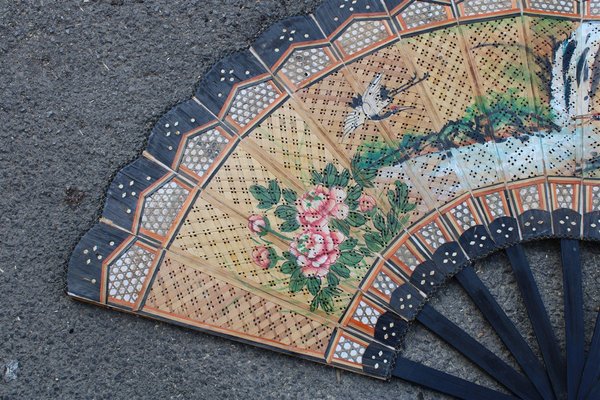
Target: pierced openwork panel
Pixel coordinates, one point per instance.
(128, 273)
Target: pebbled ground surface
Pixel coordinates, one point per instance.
(82, 82)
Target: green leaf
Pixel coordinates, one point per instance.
(316, 177)
(330, 175)
(289, 196)
(393, 223)
(314, 304)
(289, 225)
(354, 192)
(261, 194)
(341, 226)
(313, 284)
(288, 267)
(374, 241)
(332, 280)
(297, 281)
(348, 244)
(365, 251)
(355, 219)
(350, 257)
(326, 302)
(343, 178)
(289, 256)
(341, 270)
(273, 257)
(379, 222)
(286, 212)
(274, 191)
(408, 207)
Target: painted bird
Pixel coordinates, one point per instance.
(373, 104)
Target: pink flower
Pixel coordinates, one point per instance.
(316, 249)
(256, 223)
(319, 204)
(366, 202)
(261, 257)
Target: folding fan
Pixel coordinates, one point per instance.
(320, 187)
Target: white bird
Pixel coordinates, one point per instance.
(372, 104)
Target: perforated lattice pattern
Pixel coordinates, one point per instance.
(502, 69)
(564, 6)
(366, 314)
(438, 176)
(564, 196)
(189, 293)
(591, 150)
(362, 34)
(405, 255)
(384, 284)
(559, 153)
(438, 53)
(594, 7)
(250, 101)
(479, 163)
(349, 350)
(495, 205)
(127, 274)
(162, 206)
(202, 150)
(422, 13)
(463, 215)
(432, 235)
(304, 63)
(521, 158)
(287, 137)
(477, 7)
(530, 197)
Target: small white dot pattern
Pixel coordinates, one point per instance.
(161, 208)
(128, 273)
(250, 101)
(422, 13)
(530, 197)
(366, 314)
(202, 150)
(348, 350)
(407, 257)
(362, 34)
(384, 284)
(552, 5)
(476, 7)
(463, 215)
(564, 196)
(304, 63)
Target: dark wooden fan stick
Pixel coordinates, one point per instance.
(539, 319)
(573, 300)
(506, 330)
(477, 353)
(442, 382)
(591, 372)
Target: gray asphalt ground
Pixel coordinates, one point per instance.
(82, 83)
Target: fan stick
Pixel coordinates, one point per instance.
(573, 298)
(476, 352)
(442, 382)
(506, 330)
(591, 372)
(539, 319)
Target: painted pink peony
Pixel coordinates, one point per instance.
(261, 257)
(256, 223)
(319, 204)
(316, 249)
(366, 202)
